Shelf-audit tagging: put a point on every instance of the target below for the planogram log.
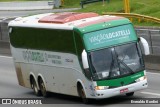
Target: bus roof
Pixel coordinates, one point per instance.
(62, 18)
(82, 22)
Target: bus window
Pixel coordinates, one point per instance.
(116, 61)
(43, 39)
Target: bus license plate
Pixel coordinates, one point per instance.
(124, 90)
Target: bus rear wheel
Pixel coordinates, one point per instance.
(82, 94)
(43, 88)
(35, 87)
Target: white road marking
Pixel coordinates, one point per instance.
(150, 93)
(6, 57)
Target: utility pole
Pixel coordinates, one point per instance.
(126, 6)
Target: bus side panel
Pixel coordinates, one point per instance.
(47, 73)
(67, 81)
(27, 69)
(22, 68)
(61, 74)
(60, 71)
(19, 74)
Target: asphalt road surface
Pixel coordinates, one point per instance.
(26, 5)
(9, 14)
(9, 88)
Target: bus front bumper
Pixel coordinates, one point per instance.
(99, 94)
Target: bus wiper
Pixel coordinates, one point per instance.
(121, 61)
(112, 63)
(127, 67)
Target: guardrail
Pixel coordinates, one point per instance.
(137, 16)
(153, 37)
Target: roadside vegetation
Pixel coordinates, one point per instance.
(144, 7)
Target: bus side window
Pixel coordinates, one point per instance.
(79, 45)
(79, 49)
(43, 39)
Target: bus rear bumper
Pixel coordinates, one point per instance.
(99, 94)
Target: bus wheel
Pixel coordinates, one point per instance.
(35, 87)
(130, 94)
(43, 88)
(82, 95)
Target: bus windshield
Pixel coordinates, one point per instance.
(117, 61)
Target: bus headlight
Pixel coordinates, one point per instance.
(101, 87)
(141, 79)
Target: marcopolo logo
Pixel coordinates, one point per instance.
(109, 36)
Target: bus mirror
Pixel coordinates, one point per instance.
(145, 46)
(84, 60)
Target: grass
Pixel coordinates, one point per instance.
(144, 7)
(71, 4)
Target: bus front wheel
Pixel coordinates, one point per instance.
(43, 88)
(82, 94)
(35, 87)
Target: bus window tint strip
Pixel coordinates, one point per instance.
(43, 39)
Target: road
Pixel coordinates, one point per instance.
(8, 14)
(26, 5)
(9, 88)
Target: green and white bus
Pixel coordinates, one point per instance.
(78, 54)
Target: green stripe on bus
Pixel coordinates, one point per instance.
(103, 25)
(109, 37)
(118, 82)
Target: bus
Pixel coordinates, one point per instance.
(79, 54)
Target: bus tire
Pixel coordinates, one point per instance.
(130, 94)
(35, 87)
(82, 94)
(42, 88)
